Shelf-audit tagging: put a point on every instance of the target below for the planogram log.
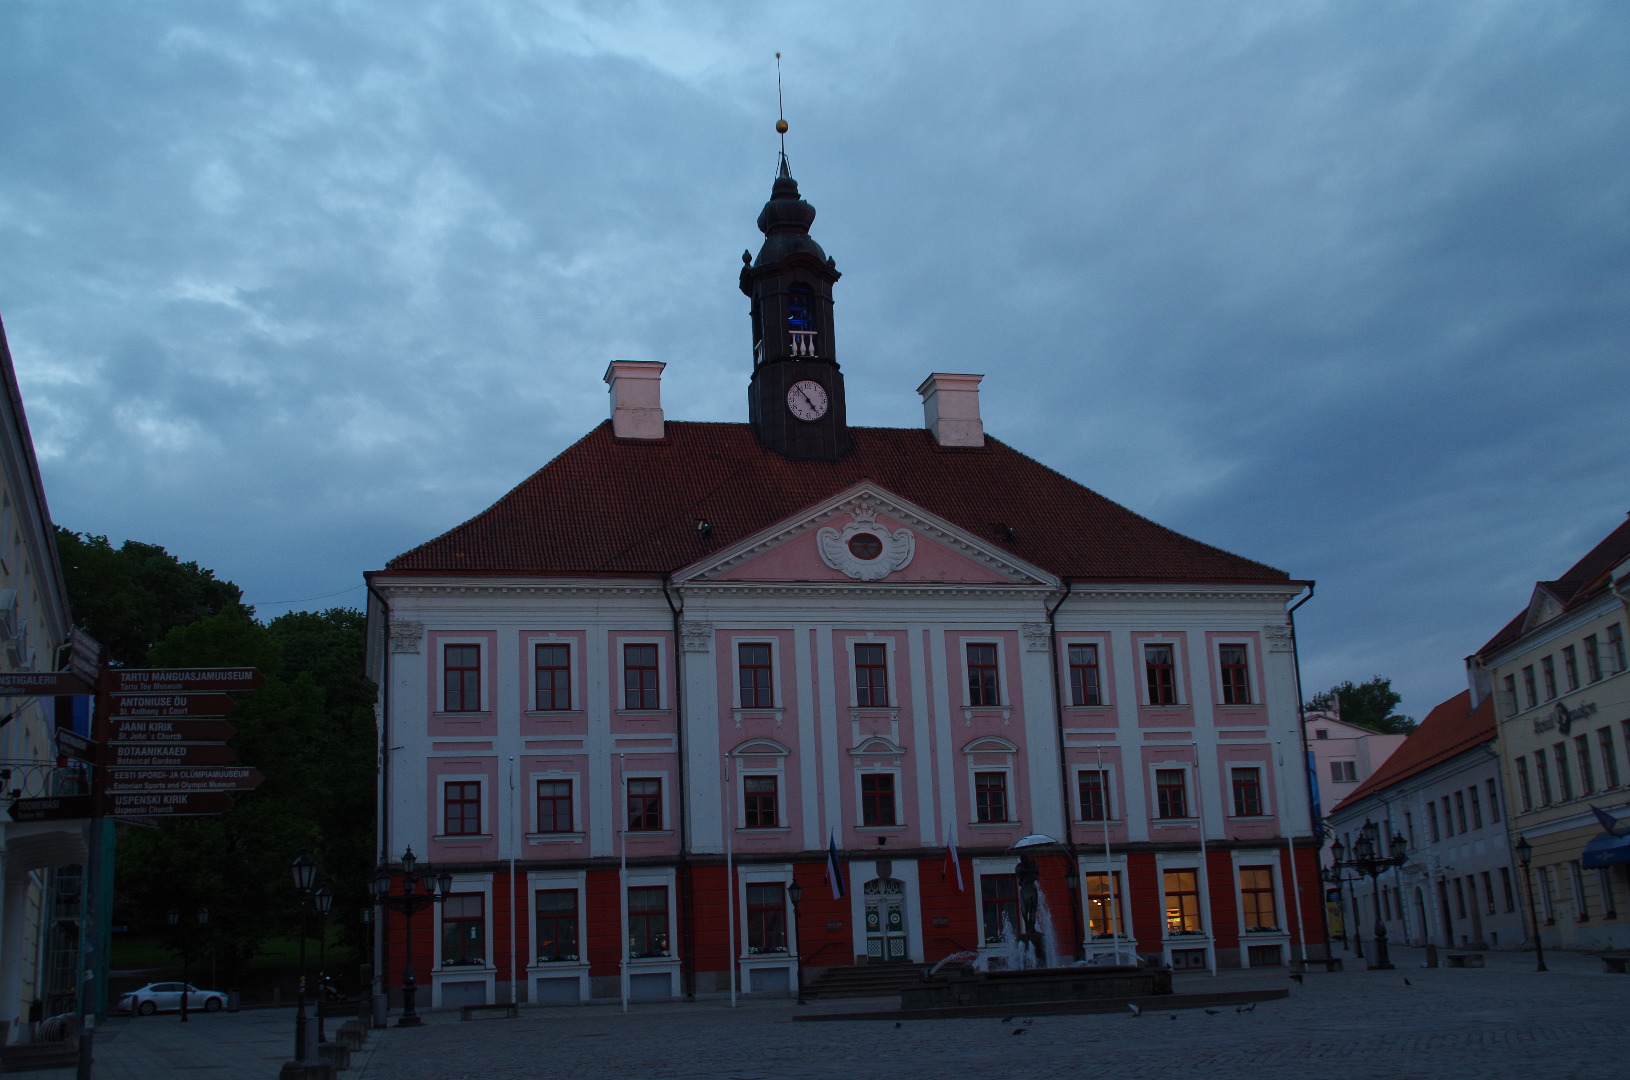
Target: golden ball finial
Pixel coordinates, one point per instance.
(781, 126)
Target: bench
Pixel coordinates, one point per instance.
(508, 1012)
(1464, 959)
(1329, 963)
(1615, 962)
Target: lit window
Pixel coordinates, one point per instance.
(552, 664)
(756, 692)
(1160, 674)
(982, 688)
(1256, 898)
(761, 799)
(1104, 894)
(1236, 677)
(1182, 901)
(990, 796)
(640, 677)
(871, 676)
(461, 676)
(1247, 792)
(1084, 686)
(1171, 791)
(877, 798)
(463, 930)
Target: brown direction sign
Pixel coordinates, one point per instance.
(70, 744)
(161, 781)
(132, 730)
(43, 683)
(179, 680)
(166, 803)
(166, 754)
(58, 808)
(172, 705)
(84, 655)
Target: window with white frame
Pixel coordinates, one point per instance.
(761, 799)
(1344, 772)
(871, 674)
(1086, 681)
(557, 924)
(555, 806)
(1246, 782)
(766, 917)
(1182, 889)
(990, 796)
(461, 677)
(461, 808)
(984, 687)
(877, 799)
(1256, 898)
(1092, 789)
(642, 686)
(1160, 673)
(552, 676)
(1233, 664)
(1171, 793)
(1105, 895)
(755, 675)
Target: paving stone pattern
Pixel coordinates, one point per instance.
(1504, 1020)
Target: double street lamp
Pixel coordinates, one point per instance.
(1369, 860)
(795, 893)
(1350, 939)
(1525, 852)
(174, 919)
(304, 870)
(419, 891)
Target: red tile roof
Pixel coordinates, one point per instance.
(1585, 580)
(1451, 728)
(624, 506)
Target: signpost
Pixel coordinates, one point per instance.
(160, 705)
(42, 684)
(76, 746)
(126, 729)
(179, 680)
(57, 808)
(167, 804)
(167, 755)
(160, 781)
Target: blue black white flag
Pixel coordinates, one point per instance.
(834, 869)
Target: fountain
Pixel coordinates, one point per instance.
(1027, 965)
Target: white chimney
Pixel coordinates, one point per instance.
(951, 409)
(636, 398)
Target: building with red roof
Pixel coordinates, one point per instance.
(705, 707)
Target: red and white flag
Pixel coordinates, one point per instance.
(953, 865)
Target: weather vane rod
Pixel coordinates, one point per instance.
(781, 110)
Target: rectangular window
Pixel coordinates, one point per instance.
(557, 924)
(1615, 647)
(1506, 889)
(1432, 820)
(1477, 807)
(1460, 898)
(1172, 793)
(1528, 685)
(990, 796)
(1547, 666)
(648, 921)
(1460, 810)
(1409, 827)
(871, 676)
(1564, 775)
(1448, 818)
(1604, 889)
(461, 678)
(1494, 800)
(1256, 898)
(1104, 905)
(999, 905)
(1236, 676)
(1182, 901)
(1160, 673)
(1587, 775)
(554, 806)
(1511, 695)
(877, 798)
(645, 804)
(640, 677)
(1576, 881)
(1524, 793)
(1247, 785)
(1547, 895)
(552, 664)
(1471, 892)
(1488, 894)
(762, 801)
(1084, 686)
(767, 918)
(463, 930)
(1542, 773)
(461, 804)
(1094, 789)
(1344, 772)
(1610, 763)
(1570, 666)
(754, 665)
(982, 688)
(1593, 658)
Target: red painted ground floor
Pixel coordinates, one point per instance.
(566, 933)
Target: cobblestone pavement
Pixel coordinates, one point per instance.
(1502, 1021)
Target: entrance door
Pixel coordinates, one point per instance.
(886, 921)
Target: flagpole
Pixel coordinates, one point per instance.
(622, 877)
(1290, 847)
(1109, 866)
(730, 870)
(1205, 871)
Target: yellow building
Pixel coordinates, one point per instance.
(1562, 690)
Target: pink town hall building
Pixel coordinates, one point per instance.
(686, 666)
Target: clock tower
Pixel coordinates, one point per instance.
(795, 400)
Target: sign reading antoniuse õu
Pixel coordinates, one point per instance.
(179, 680)
(172, 705)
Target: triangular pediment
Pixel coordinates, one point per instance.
(866, 535)
(1543, 606)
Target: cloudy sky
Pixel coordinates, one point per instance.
(1345, 287)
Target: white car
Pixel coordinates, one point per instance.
(166, 997)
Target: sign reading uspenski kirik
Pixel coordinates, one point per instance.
(166, 803)
(179, 680)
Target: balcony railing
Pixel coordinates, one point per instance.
(803, 342)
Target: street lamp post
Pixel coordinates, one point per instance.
(419, 891)
(1368, 860)
(174, 918)
(795, 893)
(1525, 852)
(304, 869)
(1338, 851)
(323, 898)
(1331, 876)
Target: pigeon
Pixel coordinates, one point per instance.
(897, 1023)
(1174, 1016)
(1251, 1007)
(1028, 1021)
(1407, 982)
(1136, 1011)
(1007, 1019)
(1297, 975)
(1018, 1031)
(1213, 1012)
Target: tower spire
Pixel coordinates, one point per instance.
(781, 118)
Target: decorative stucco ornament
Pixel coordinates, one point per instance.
(1277, 637)
(406, 635)
(863, 549)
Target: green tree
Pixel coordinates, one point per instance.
(1367, 704)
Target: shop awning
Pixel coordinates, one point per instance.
(1607, 849)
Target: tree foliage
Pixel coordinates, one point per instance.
(309, 730)
(1367, 704)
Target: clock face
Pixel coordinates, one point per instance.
(806, 400)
